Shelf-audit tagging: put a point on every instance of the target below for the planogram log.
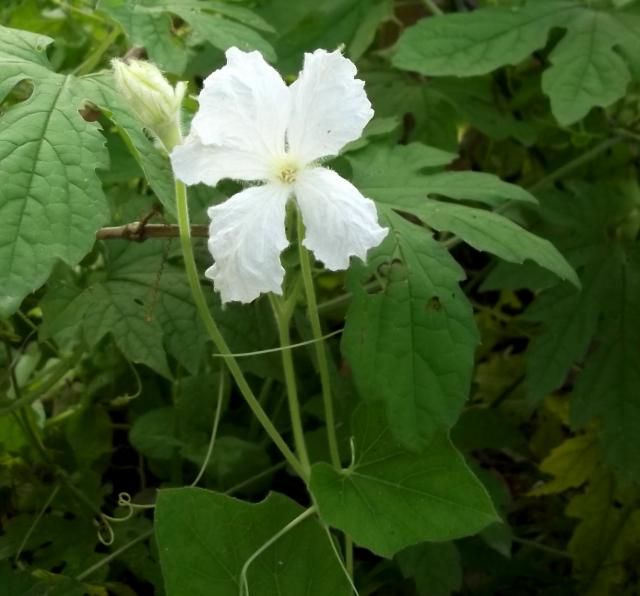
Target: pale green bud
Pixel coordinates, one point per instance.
(156, 103)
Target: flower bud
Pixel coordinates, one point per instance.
(152, 98)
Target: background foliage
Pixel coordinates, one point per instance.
(486, 379)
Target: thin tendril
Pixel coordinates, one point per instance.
(214, 431)
(244, 585)
(334, 548)
(280, 348)
(42, 511)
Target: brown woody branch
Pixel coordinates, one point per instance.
(139, 231)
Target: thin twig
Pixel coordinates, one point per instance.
(139, 232)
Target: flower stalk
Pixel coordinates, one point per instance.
(320, 349)
(282, 312)
(216, 336)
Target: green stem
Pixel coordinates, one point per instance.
(629, 134)
(84, 13)
(541, 547)
(283, 319)
(39, 388)
(215, 335)
(348, 554)
(574, 164)
(35, 522)
(433, 8)
(96, 56)
(321, 352)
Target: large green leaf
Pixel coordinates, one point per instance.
(587, 69)
(143, 302)
(51, 201)
(479, 42)
(596, 227)
(390, 498)
(205, 538)
(491, 232)
(411, 343)
(395, 176)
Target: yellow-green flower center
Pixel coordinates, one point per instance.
(288, 174)
(286, 169)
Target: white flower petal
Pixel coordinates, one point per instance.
(244, 106)
(246, 237)
(339, 221)
(194, 162)
(329, 106)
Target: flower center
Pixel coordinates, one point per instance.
(286, 170)
(288, 174)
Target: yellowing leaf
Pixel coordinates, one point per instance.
(571, 464)
(605, 540)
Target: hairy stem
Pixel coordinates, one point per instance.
(216, 336)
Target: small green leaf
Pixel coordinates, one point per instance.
(148, 23)
(154, 434)
(51, 200)
(220, 32)
(151, 30)
(89, 434)
(571, 464)
(587, 70)
(205, 538)
(491, 232)
(391, 498)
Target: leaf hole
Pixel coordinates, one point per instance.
(19, 92)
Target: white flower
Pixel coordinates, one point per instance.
(252, 127)
(151, 97)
